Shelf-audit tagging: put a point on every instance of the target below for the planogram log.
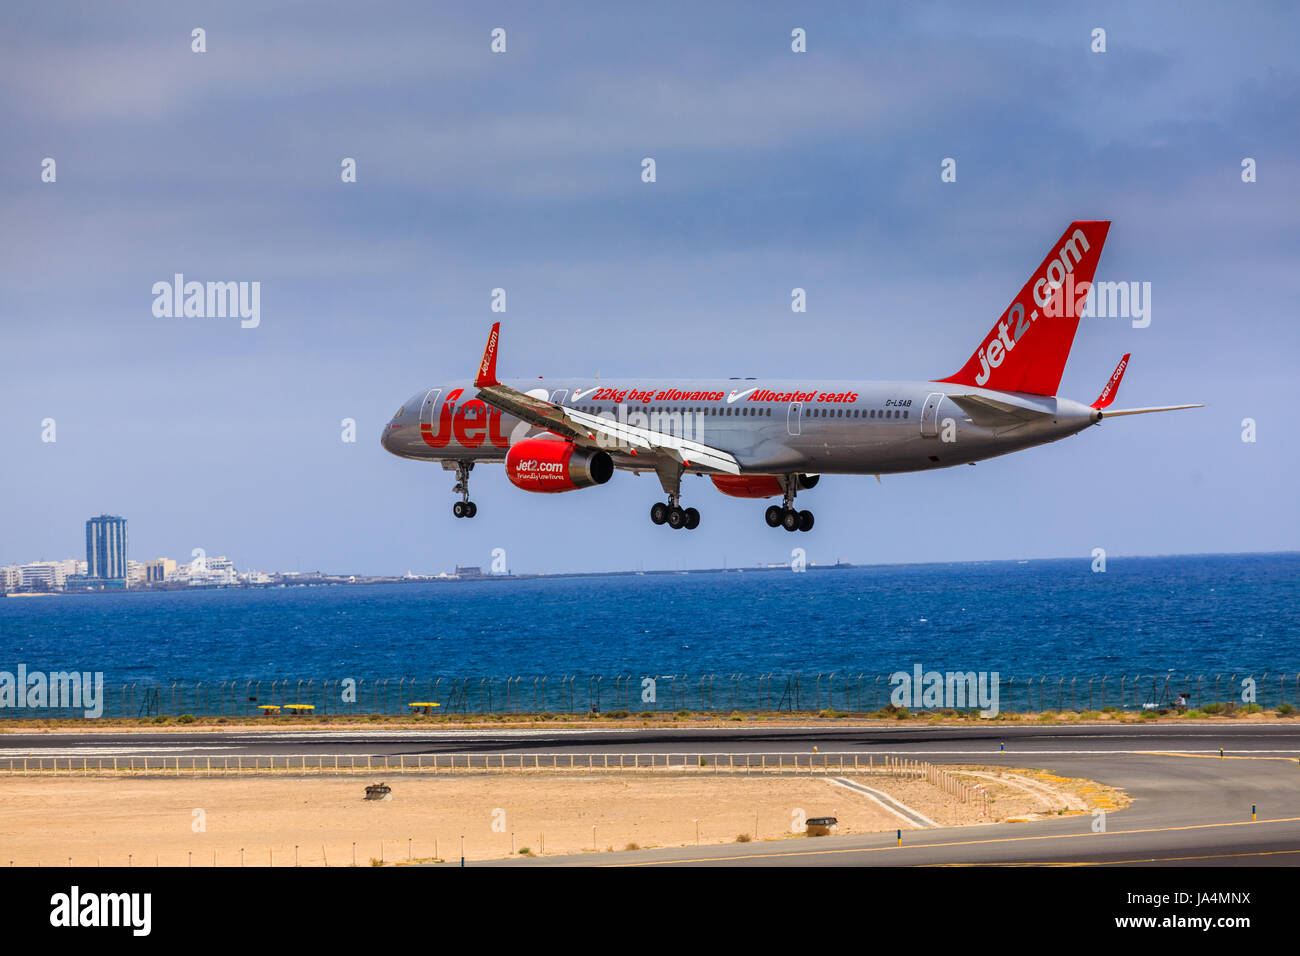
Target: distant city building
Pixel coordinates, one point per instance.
(468, 571)
(11, 577)
(106, 550)
(159, 571)
(43, 576)
(213, 571)
(71, 567)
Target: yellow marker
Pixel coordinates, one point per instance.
(900, 837)
(1252, 811)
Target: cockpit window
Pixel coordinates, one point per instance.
(399, 412)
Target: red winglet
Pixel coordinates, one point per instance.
(1112, 387)
(487, 370)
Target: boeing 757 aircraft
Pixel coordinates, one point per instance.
(773, 439)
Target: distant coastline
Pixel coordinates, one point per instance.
(316, 579)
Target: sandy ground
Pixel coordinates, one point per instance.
(204, 821)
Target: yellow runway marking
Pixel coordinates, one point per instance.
(1150, 859)
(955, 843)
(1166, 753)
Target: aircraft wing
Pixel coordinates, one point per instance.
(592, 431)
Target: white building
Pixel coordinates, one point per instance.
(213, 571)
(43, 575)
(11, 577)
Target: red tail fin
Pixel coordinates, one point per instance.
(1028, 346)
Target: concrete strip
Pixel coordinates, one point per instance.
(899, 809)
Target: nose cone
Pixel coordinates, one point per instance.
(401, 436)
(389, 438)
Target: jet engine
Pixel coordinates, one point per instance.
(550, 465)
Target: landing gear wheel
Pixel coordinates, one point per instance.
(773, 516)
(790, 519)
(692, 519)
(805, 520)
(471, 509)
(659, 512)
(676, 518)
(458, 509)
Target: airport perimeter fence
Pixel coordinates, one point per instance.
(629, 694)
(798, 763)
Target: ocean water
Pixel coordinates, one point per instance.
(1187, 614)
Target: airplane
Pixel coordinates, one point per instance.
(773, 439)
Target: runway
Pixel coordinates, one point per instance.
(1190, 806)
(937, 744)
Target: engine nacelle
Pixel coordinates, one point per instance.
(758, 486)
(548, 466)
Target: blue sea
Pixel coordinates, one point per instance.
(1187, 614)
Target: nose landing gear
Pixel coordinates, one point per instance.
(463, 508)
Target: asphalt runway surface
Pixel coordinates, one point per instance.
(1190, 806)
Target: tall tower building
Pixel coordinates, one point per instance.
(106, 549)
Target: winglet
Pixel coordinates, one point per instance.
(487, 370)
(1112, 387)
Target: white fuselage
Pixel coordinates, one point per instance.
(771, 427)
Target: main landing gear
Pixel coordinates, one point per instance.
(671, 513)
(786, 515)
(463, 508)
(674, 515)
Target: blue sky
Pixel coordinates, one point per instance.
(522, 170)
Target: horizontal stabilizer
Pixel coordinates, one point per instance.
(990, 411)
(1111, 413)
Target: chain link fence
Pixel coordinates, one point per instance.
(573, 694)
